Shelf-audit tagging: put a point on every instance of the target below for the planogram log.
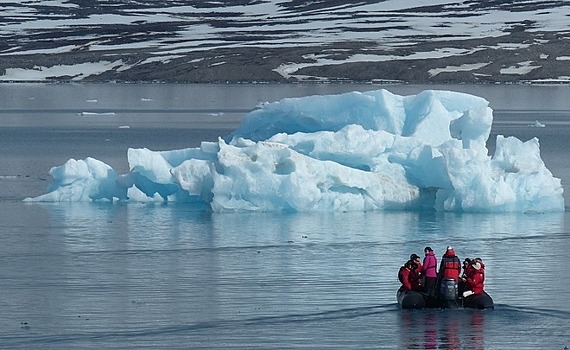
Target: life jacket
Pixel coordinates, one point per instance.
(404, 275)
(416, 280)
(476, 281)
(418, 269)
(451, 267)
(400, 275)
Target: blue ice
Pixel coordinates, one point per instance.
(356, 151)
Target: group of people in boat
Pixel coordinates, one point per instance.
(425, 277)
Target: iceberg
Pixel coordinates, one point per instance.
(357, 151)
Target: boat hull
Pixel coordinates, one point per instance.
(478, 301)
(409, 299)
(416, 300)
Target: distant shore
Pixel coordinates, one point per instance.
(527, 59)
(353, 41)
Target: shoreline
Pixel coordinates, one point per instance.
(308, 82)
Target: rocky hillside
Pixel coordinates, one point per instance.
(428, 41)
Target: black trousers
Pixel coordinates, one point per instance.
(430, 285)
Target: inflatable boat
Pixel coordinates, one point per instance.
(478, 301)
(409, 299)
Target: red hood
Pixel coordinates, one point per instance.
(450, 252)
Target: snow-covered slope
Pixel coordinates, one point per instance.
(285, 40)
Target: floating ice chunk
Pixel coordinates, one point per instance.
(85, 180)
(354, 151)
(537, 124)
(95, 114)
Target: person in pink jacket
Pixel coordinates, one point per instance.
(429, 271)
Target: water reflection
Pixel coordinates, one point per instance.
(430, 332)
(477, 330)
(442, 329)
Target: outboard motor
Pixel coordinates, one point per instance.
(448, 292)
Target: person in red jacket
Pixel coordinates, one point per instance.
(467, 268)
(448, 277)
(409, 278)
(404, 275)
(416, 274)
(475, 281)
(450, 266)
(417, 266)
(480, 261)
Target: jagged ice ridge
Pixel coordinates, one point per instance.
(356, 151)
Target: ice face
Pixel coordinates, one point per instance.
(354, 151)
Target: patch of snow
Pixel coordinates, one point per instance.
(511, 46)
(162, 59)
(287, 70)
(520, 69)
(76, 71)
(452, 69)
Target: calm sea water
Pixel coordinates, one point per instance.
(106, 276)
